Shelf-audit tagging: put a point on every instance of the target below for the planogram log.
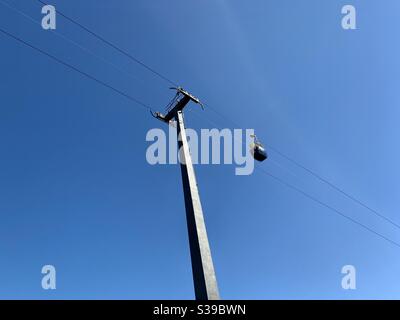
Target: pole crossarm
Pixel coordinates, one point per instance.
(183, 98)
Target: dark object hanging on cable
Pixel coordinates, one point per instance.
(257, 150)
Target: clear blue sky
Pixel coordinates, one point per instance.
(76, 190)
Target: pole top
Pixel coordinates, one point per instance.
(189, 95)
(181, 99)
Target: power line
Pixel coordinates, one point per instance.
(83, 48)
(316, 175)
(335, 187)
(310, 197)
(30, 18)
(230, 120)
(76, 69)
(328, 207)
(125, 53)
(218, 113)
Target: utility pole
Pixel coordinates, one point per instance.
(204, 279)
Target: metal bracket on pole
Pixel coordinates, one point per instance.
(182, 99)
